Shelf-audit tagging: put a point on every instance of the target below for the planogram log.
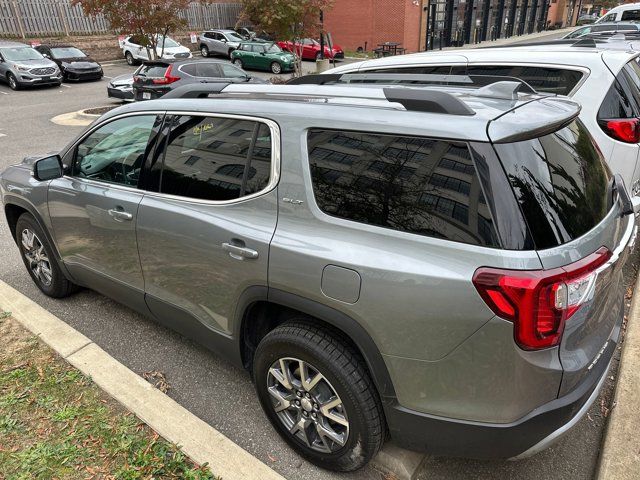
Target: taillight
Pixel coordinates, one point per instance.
(539, 302)
(168, 78)
(624, 129)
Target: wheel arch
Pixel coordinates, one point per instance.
(261, 310)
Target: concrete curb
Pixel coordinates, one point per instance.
(75, 119)
(197, 439)
(620, 454)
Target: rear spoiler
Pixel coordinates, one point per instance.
(533, 119)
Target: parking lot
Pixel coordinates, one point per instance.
(206, 385)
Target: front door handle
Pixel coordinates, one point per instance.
(120, 215)
(239, 252)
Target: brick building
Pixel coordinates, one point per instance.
(356, 23)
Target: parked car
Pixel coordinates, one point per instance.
(263, 56)
(156, 78)
(604, 79)
(135, 51)
(604, 28)
(121, 87)
(72, 62)
(587, 19)
(441, 265)
(23, 66)
(219, 42)
(622, 13)
(311, 49)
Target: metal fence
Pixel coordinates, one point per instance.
(32, 18)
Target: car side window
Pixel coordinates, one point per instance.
(115, 152)
(631, 15)
(207, 69)
(229, 71)
(190, 69)
(215, 158)
(609, 18)
(417, 185)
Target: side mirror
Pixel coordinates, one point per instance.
(223, 40)
(48, 168)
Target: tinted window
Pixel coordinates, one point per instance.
(152, 71)
(543, 79)
(631, 15)
(207, 70)
(621, 101)
(401, 183)
(216, 158)
(561, 183)
(189, 69)
(115, 152)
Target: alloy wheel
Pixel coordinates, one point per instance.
(276, 68)
(237, 62)
(36, 256)
(307, 405)
(13, 84)
(204, 51)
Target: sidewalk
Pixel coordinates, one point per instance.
(503, 42)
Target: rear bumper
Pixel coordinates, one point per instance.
(522, 438)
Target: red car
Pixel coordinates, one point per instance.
(311, 49)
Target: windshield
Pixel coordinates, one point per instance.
(67, 52)
(274, 49)
(561, 182)
(168, 42)
(17, 54)
(233, 37)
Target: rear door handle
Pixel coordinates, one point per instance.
(239, 252)
(120, 215)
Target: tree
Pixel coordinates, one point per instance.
(287, 19)
(149, 19)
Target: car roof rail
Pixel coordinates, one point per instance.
(409, 78)
(432, 101)
(197, 90)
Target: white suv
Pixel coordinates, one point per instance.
(606, 82)
(135, 51)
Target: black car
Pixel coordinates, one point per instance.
(73, 62)
(157, 77)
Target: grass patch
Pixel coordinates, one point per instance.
(354, 54)
(55, 423)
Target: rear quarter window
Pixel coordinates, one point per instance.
(561, 182)
(416, 185)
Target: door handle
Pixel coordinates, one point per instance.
(239, 252)
(120, 215)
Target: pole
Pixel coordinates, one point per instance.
(321, 35)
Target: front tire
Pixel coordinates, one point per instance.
(319, 396)
(204, 51)
(276, 68)
(12, 81)
(238, 63)
(130, 60)
(39, 258)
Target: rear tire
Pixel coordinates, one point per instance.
(39, 258)
(204, 51)
(12, 81)
(334, 418)
(276, 68)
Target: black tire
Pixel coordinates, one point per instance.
(59, 286)
(204, 51)
(130, 60)
(345, 373)
(276, 68)
(13, 81)
(238, 63)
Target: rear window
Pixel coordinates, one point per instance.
(561, 182)
(152, 71)
(623, 98)
(417, 185)
(630, 15)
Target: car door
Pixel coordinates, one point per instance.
(204, 235)
(233, 74)
(219, 43)
(94, 207)
(208, 71)
(3, 68)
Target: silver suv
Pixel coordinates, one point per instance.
(219, 42)
(441, 265)
(23, 66)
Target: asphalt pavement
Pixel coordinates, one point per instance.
(208, 386)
